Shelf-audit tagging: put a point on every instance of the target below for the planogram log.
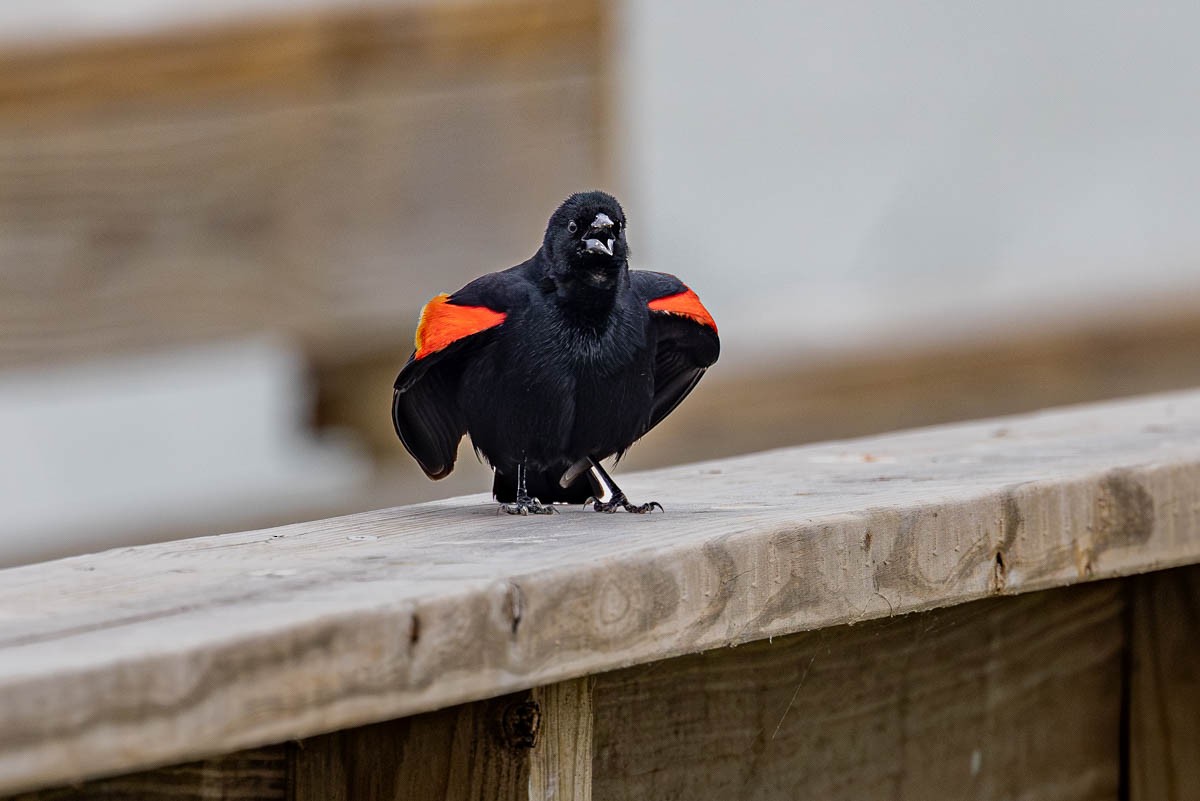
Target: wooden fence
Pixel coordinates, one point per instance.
(441, 651)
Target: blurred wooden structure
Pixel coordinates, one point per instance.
(440, 651)
(320, 175)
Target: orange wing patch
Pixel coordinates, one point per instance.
(444, 323)
(685, 304)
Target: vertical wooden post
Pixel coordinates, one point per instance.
(562, 761)
(1164, 725)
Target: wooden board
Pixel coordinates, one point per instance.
(472, 752)
(1019, 697)
(526, 746)
(261, 774)
(319, 177)
(998, 699)
(146, 656)
(562, 760)
(1165, 686)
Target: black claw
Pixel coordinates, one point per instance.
(604, 486)
(527, 506)
(524, 504)
(622, 503)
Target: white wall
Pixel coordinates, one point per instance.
(834, 172)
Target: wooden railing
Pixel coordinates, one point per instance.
(443, 651)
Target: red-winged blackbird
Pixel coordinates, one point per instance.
(553, 365)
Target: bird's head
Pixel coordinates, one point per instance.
(585, 239)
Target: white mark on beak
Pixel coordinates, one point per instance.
(596, 246)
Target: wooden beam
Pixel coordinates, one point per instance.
(562, 760)
(260, 774)
(1011, 698)
(1164, 736)
(528, 746)
(146, 656)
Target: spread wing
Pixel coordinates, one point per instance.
(425, 409)
(686, 339)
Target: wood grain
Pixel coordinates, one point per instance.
(140, 657)
(1165, 687)
(472, 752)
(257, 775)
(998, 699)
(562, 761)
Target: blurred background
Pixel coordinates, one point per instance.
(218, 223)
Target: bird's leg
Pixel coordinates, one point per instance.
(609, 498)
(525, 505)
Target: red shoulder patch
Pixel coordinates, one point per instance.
(444, 323)
(685, 304)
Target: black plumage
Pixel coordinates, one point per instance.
(555, 364)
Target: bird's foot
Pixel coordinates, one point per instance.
(621, 502)
(527, 506)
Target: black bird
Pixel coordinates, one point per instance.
(554, 365)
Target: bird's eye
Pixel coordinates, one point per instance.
(572, 227)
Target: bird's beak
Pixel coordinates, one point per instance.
(599, 239)
(597, 246)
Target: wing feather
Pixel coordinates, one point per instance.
(425, 409)
(429, 421)
(686, 340)
(684, 351)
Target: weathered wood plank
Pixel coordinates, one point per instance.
(260, 774)
(139, 657)
(562, 761)
(1164, 713)
(473, 752)
(998, 699)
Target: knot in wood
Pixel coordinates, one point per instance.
(521, 721)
